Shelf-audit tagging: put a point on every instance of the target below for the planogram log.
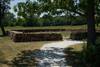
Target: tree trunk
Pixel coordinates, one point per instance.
(1, 23)
(91, 23)
(2, 28)
(2, 18)
(3, 31)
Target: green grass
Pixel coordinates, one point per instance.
(48, 27)
(77, 47)
(10, 48)
(52, 27)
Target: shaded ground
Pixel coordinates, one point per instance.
(49, 55)
(74, 58)
(9, 49)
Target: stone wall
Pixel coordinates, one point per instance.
(17, 36)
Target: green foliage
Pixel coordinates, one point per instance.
(30, 11)
(60, 21)
(78, 35)
(10, 19)
(88, 57)
(92, 55)
(82, 35)
(20, 21)
(27, 10)
(4, 6)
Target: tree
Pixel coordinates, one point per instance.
(4, 6)
(10, 19)
(91, 22)
(27, 10)
(97, 16)
(85, 8)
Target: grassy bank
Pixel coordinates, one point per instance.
(10, 48)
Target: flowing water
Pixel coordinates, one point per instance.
(52, 55)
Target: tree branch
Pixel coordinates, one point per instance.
(76, 12)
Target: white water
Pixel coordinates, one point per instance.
(53, 55)
(61, 44)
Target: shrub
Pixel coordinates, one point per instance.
(88, 57)
(78, 35)
(28, 24)
(81, 35)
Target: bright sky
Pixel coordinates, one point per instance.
(13, 3)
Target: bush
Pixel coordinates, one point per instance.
(78, 35)
(88, 57)
(78, 23)
(81, 35)
(26, 24)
